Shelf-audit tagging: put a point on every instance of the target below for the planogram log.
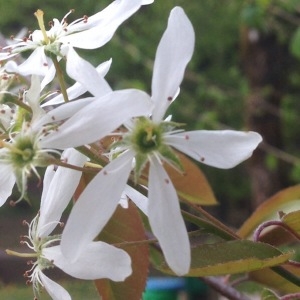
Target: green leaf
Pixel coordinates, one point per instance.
(126, 226)
(295, 44)
(227, 258)
(286, 201)
(292, 220)
(272, 279)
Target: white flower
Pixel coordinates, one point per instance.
(150, 139)
(31, 145)
(97, 259)
(85, 33)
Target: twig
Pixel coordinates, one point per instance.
(224, 289)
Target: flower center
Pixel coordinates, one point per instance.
(146, 137)
(22, 152)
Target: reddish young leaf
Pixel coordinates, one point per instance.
(192, 185)
(126, 226)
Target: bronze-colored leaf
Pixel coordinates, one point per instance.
(126, 226)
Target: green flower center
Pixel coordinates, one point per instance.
(146, 137)
(22, 152)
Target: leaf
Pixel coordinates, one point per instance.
(125, 226)
(192, 185)
(292, 220)
(271, 279)
(286, 200)
(227, 258)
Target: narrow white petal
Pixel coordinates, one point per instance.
(37, 63)
(62, 112)
(146, 2)
(102, 25)
(78, 89)
(217, 148)
(49, 76)
(60, 192)
(7, 182)
(137, 198)
(166, 220)
(84, 73)
(96, 260)
(48, 177)
(95, 205)
(173, 54)
(33, 98)
(56, 291)
(100, 118)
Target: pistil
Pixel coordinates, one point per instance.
(39, 14)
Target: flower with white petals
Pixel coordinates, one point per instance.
(32, 144)
(151, 140)
(85, 33)
(96, 260)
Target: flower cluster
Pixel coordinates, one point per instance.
(68, 134)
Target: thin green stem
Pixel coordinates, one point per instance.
(60, 78)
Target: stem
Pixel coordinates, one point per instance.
(266, 224)
(212, 219)
(224, 289)
(208, 226)
(290, 296)
(76, 168)
(60, 78)
(18, 102)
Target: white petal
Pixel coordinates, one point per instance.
(146, 2)
(166, 220)
(97, 260)
(7, 182)
(60, 192)
(173, 54)
(95, 205)
(83, 72)
(139, 199)
(78, 89)
(100, 118)
(62, 112)
(49, 76)
(33, 98)
(217, 148)
(103, 25)
(56, 291)
(37, 63)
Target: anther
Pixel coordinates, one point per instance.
(12, 203)
(170, 98)
(167, 181)
(202, 159)
(104, 172)
(25, 223)
(186, 137)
